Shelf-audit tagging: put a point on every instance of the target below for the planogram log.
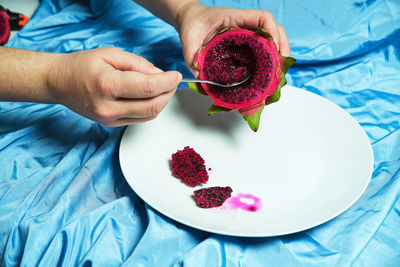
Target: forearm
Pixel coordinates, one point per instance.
(167, 10)
(23, 75)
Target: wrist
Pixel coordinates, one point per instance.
(182, 11)
(23, 75)
(53, 77)
(170, 11)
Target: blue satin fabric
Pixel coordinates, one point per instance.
(64, 201)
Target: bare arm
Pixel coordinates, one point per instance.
(197, 24)
(23, 75)
(107, 85)
(114, 87)
(168, 10)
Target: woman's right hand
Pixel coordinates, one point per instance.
(110, 86)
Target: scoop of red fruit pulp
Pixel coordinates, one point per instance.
(212, 196)
(189, 166)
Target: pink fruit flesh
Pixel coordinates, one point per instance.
(189, 166)
(212, 196)
(229, 57)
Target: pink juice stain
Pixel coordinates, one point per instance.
(246, 202)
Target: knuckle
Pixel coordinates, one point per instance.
(104, 114)
(142, 61)
(271, 16)
(105, 86)
(111, 49)
(267, 19)
(154, 109)
(148, 87)
(100, 114)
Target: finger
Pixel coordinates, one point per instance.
(192, 42)
(268, 23)
(142, 108)
(253, 19)
(284, 43)
(125, 121)
(129, 84)
(122, 60)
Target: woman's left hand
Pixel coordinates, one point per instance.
(198, 24)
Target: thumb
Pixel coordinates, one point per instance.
(191, 43)
(126, 61)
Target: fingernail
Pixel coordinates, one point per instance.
(157, 70)
(180, 77)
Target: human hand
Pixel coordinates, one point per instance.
(111, 86)
(198, 24)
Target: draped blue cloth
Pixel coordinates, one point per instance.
(65, 202)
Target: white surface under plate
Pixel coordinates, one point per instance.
(308, 162)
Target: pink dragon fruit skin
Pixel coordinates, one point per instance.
(227, 58)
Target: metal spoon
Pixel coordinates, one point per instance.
(214, 83)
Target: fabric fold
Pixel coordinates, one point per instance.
(64, 200)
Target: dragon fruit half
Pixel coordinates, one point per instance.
(232, 55)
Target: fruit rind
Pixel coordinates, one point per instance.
(196, 87)
(215, 109)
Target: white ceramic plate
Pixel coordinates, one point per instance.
(308, 162)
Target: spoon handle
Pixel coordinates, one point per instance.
(214, 83)
(185, 80)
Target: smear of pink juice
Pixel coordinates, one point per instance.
(246, 202)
